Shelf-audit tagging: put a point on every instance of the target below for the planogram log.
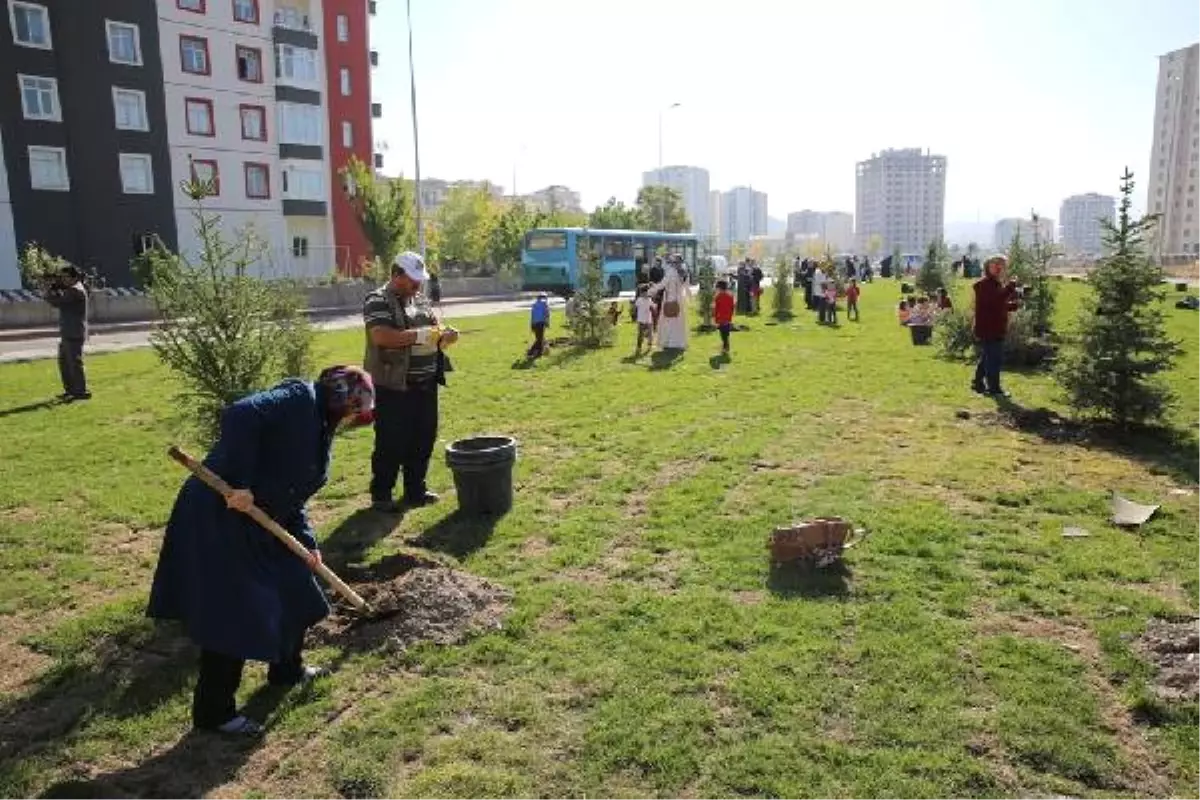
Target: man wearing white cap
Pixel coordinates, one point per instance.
(405, 361)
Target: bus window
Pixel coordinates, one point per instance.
(584, 244)
(618, 248)
(546, 241)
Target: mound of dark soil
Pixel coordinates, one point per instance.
(1172, 647)
(415, 600)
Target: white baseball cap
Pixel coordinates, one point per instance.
(412, 265)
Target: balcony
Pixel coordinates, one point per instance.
(305, 208)
(293, 25)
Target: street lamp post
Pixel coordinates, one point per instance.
(662, 210)
(412, 78)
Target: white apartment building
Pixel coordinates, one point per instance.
(555, 198)
(714, 219)
(834, 229)
(901, 197)
(1175, 153)
(743, 215)
(1080, 217)
(245, 93)
(1007, 229)
(692, 185)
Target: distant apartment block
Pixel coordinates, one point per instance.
(1007, 229)
(1081, 219)
(834, 229)
(692, 185)
(555, 198)
(109, 105)
(1175, 152)
(435, 191)
(900, 197)
(743, 215)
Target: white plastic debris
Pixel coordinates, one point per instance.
(1072, 532)
(1126, 512)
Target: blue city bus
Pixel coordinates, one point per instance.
(550, 257)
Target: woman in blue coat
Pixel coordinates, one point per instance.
(239, 592)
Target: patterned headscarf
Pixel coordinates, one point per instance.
(349, 391)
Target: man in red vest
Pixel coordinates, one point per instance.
(994, 299)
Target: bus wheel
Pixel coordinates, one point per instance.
(614, 286)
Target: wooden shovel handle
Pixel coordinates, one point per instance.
(215, 482)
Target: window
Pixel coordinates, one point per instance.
(343, 28)
(193, 55)
(48, 169)
(197, 6)
(30, 24)
(300, 183)
(245, 11)
(129, 108)
(546, 241)
(300, 247)
(295, 64)
(249, 64)
(199, 113)
(345, 81)
(347, 135)
(205, 170)
(124, 43)
(39, 98)
(137, 173)
(258, 181)
(254, 123)
(299, 124)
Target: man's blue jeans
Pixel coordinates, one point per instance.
(991, 358)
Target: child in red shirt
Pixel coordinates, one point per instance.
(723, 313)
(852, 293)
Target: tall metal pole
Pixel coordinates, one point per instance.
(412, 77)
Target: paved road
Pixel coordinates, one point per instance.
(32, 349)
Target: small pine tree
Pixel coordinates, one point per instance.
(591, 326)
(781, 294)
(1040, 298)
(1113, 369)
(707, 277)
(933, 274)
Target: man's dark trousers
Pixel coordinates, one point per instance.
(70, 367)
(987, 372)
(405, 430)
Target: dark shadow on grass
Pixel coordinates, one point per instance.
(719, 360)
(525, 362)
(634, 358)
(799, 579)
(1167, 450)
(350, 540)
(192, 767)
(783, 316)
(665, 359)
(457, 534)
(25, 409)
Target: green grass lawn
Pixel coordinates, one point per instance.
(966, 648)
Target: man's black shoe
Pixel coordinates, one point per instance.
(427, 499)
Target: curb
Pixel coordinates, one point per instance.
(101, 328)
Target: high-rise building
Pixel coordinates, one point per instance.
(834, 229)
(692, 185)
(901, 198)
(1175, 153)
(1007, 229)
(555, 198)
(714, 220)
(1080, 217)
(743, 215)
(113, 103)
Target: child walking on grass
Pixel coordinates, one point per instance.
(723, 305)
(831, 302)
(644, 307)
(852, 293)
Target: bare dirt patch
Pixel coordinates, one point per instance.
(20, 514)
(1145, 772)
(749, 598)
(535, 547)
(414, 600)
(889, 489)
(1172, 648)
(21, 664)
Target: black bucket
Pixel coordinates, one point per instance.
(921, 334)
(482, 468)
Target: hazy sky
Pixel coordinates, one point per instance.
(1030, 100)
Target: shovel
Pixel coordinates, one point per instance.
(214, 482)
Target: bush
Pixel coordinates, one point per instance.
(781, 289)
(954, 331)
(591, 326)
(224, 333)
(934, 273)
(38, 266)
(954, 334)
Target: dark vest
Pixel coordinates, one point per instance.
(399, 368)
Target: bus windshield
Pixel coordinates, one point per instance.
(543, 240)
